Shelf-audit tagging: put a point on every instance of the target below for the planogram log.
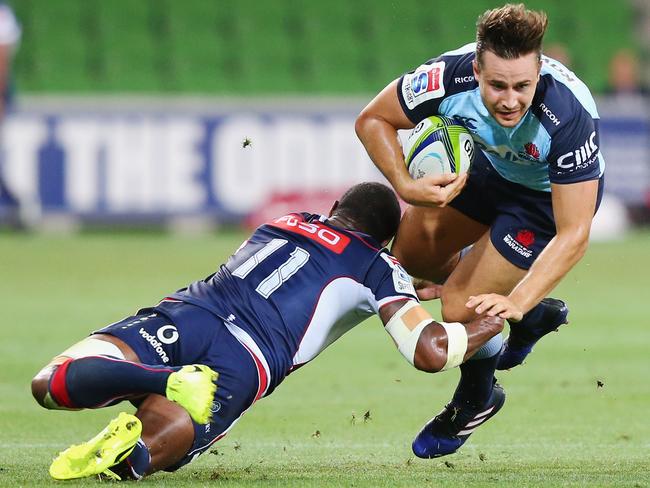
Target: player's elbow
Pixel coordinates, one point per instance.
(581, 243)
(576, 241)
(363, 123)
(431, 355)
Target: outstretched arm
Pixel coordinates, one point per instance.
(432, 346)
(377, 127)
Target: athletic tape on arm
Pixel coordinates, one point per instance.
(405, 327)
(456, 344)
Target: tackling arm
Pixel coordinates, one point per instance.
(432, 346)
(377, 127)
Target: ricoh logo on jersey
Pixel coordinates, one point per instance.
(463, 79)
(551, 116)
(167, 334)
(581, 157)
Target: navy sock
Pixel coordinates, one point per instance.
(98, 381)
(136, 464)
(476, 380)
(138, 461)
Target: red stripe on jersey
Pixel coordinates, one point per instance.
(261, 374)
(58, 390)
(170, 299)
(327, 237)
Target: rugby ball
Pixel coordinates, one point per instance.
(438, 145)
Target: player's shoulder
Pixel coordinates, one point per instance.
(562, 99)
(440, 77)
(459, 74)
(387, 267)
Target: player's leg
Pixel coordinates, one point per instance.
(95, 373)
(169, 437)
(429, 239)
(482, 270)
(485, 270)
(131, 446)
(172, 438)
(477, 397)
(448, 431)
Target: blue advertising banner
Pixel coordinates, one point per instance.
(138, 165)
(128, 161)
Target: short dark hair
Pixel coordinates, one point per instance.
(372, 208)
(510, 31)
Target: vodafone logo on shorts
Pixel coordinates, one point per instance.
(167, 334)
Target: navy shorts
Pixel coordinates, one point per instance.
(520, 219)
(196, 336)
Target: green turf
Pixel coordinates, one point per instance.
(558, 427)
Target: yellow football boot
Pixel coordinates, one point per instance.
(193, 388)
(108, 448)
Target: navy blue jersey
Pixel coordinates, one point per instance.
(297, 285)
(556, 141)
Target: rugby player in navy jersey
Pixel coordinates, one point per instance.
(526, 206)
(294, 287)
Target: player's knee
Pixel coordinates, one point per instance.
(453, 307)
(40, 384)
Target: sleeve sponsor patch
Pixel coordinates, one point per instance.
(581, 158)
(425, 83)
(401, 279)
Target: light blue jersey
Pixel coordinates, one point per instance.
(555, 142)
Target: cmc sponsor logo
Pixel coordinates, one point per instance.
(580, 156)
(167, 334)
(551, 116)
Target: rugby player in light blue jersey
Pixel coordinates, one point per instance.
(295, 286)
(526, 206)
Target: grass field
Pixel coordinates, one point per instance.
(558, 428)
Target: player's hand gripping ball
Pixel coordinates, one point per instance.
(438, 145)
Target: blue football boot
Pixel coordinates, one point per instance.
(524, 335)
(449, 430)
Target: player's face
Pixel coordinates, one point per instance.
(507, 85)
